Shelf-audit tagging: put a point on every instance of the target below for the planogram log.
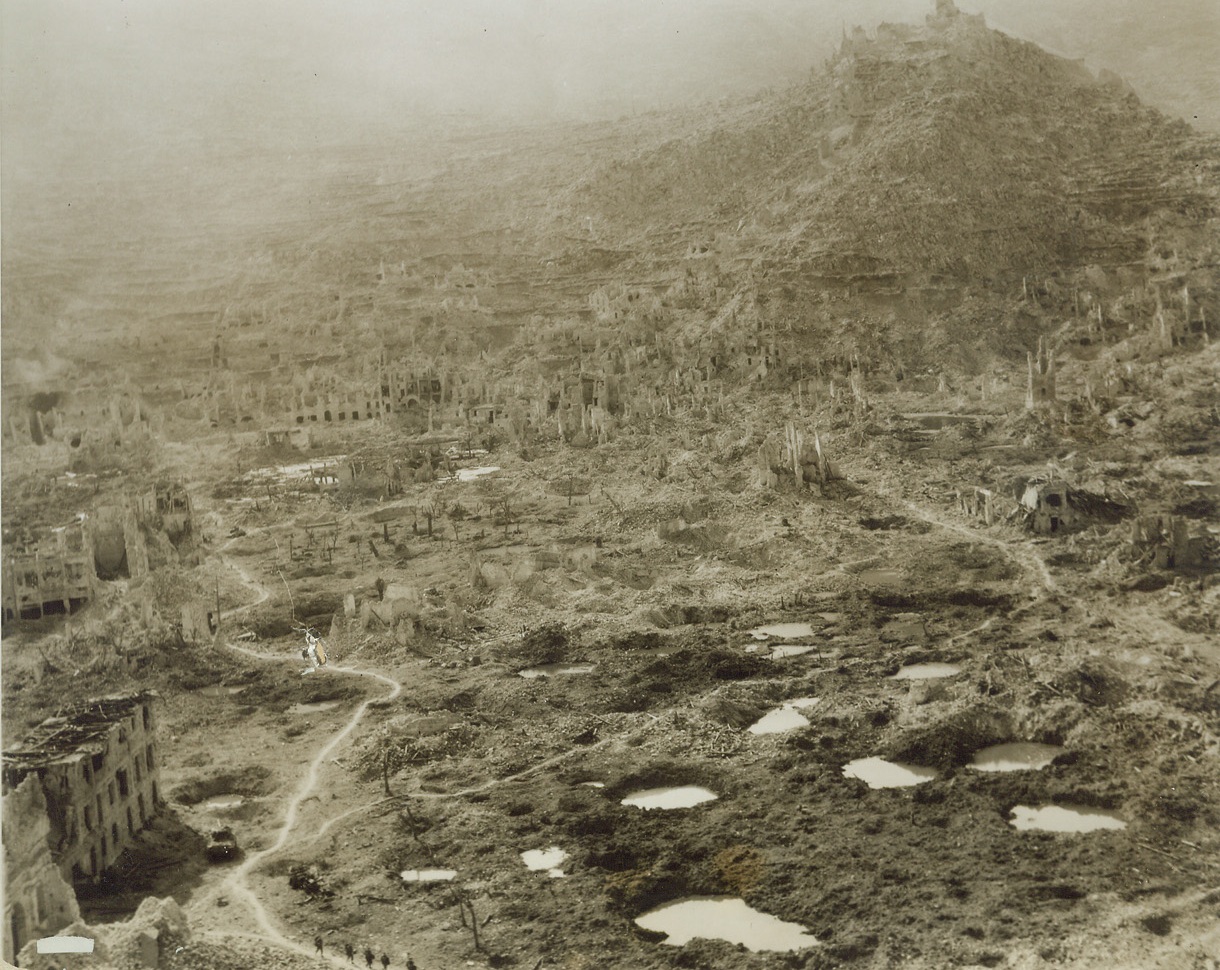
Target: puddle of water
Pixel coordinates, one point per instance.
(219, 691)
(593, 784)
(1064, 818)
(880, 577)
(313, 708)
(879, 773)
(221, 802)
(785, 631)
(555, 670)
(684, 796)
(786, 718)
(536, 860)
(470, 474)
(725, 918)
(1020, 756)
(795, 650)
(427, 875)
(926, 671)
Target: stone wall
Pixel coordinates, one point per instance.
(37, 899)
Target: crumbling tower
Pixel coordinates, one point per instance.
(1041, 387)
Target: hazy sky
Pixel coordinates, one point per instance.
(94, 75)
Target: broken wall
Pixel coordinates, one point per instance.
(99, 796)
(37, 899)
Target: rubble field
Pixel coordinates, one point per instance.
(800, 512)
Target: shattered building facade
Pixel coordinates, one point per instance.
(49, 580)
(1052, 506)
(167, 507)
(97, 767)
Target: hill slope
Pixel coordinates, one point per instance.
(943, 149)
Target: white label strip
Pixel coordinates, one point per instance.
(65, 944)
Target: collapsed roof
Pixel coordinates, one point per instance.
(76, 730)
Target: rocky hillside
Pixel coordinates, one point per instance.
(947, 149)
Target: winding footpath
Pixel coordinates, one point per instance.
(236, 886)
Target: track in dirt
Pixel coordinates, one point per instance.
(1024, 557)
(237, 883)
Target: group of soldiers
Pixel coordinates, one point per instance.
(368, 955)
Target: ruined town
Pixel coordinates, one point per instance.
(774, 529)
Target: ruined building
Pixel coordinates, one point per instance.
(1166, 540)
(53, 579)
(794, 463)
(984, 504)
(119, 548)
(1050, 505)
(167, 507)
(96, 764)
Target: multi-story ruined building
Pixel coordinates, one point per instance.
(96, 763)
(168, 507)
(52, 579)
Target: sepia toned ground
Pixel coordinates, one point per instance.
(636, 570)
(1052, 643)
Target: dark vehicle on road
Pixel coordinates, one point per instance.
(222, 846)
